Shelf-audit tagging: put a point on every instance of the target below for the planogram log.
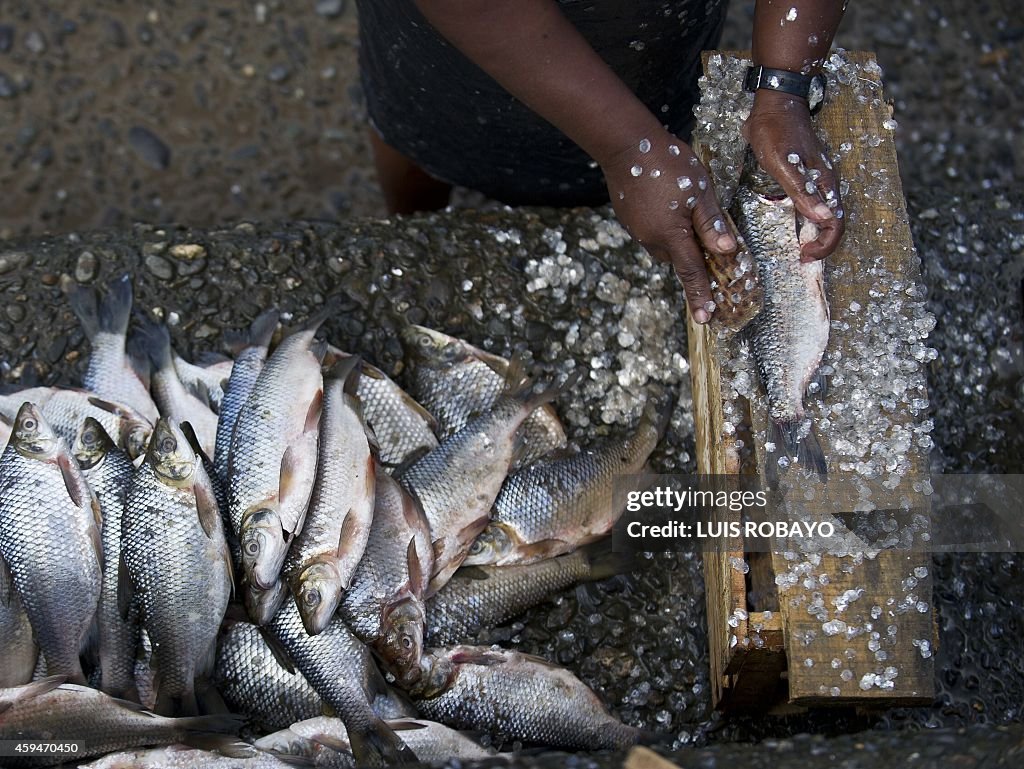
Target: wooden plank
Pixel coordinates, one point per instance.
(823, 668)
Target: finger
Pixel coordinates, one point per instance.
(709, 225)
(688, 263)
(830, 231)
(796, 181)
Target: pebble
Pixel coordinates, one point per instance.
(278, 73)
(187, 251)
(13, 260)
(160, 267)
(6, 37)
(35, 42)
(149, 147)
(85, 267)
(7, 88)
(330, 8)
(16, 312)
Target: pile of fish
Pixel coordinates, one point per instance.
(288, 544)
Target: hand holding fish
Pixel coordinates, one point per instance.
(663, 196)
(779, 131)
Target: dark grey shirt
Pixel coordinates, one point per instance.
(435, 106)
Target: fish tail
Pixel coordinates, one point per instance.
(378, 745)
(257, 335)
(602, 562)
(155, 339)
(807, 450)
(657, 413)
(533, 398)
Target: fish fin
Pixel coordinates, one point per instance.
(406, 725)
(116, 306)
(125, 589)
(807, 451)
(206, 503)
(412, 511)
(417, 576)
(298, 463)
(545, 548)
(111, 408)
(258, 334)
(73, 480)
(19, 694)
(316, 406)
(6, 584)
(277, 650)
(210, 700)
(329, 741)
(85, 305)
(378, 745)
(139, 362)
(318, 349)
(410, 459)
(346, 370)
(223, 744)
(217, 723)
(155, 339)
(193, 440)
(657, 413)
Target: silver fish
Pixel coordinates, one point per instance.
(325, 554)
(111, 373)
(250, 350)
(50, 550)
(174, 565)
(324, 740)
(404, 429)
(108, 471)
(47, 710)
(174, 400)
(64, 409)
(456, 382)
(518, 697)
(479, 598)
(272, 464)
(558, 505)
(791, 332)
(342, 671)
(384, 604)
(457, 482)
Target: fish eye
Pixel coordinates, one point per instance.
(407, 642)
(168, 444)
(252, 547)
(311, 597)
(29, 424)
(476, 547)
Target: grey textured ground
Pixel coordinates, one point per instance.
(256, 115)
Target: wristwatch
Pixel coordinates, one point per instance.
(811, 88)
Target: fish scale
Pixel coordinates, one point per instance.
(178, 574)
(20, 653)
(50, 544)
(253, 682)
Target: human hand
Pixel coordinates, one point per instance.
(663, 196)
(779, 131)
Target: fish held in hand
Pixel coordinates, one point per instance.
(790, 334)
(50, 549)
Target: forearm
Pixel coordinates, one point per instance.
(531, 49)
(795, 35)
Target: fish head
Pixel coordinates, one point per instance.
(170, 456)
(758, 181)
(432, 347)
(264, 546)
(91, 444)
(32, 437)
(262, 605)
(401, 645)
(135, 437)
(437, 674)
(318, 595)
(490, 546)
